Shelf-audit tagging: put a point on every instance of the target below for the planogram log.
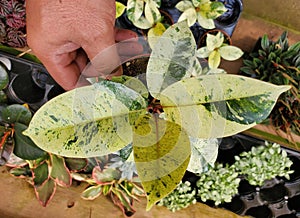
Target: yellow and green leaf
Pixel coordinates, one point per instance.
(162, 153)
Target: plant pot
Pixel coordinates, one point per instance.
(274, 194)
(236, 205)
(259, 212)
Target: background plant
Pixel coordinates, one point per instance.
(263, 163)
(219, 184)
(279, 63)
(12, 23)
(202, 11)
(180, 198)
(216, 49)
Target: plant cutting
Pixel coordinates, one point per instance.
(106, 116)
(278, 62)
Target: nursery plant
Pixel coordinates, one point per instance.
(262, 163)
(216, 49)
(202, 11)
(278, 62)
(105, 117)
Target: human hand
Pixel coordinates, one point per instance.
(65, 34)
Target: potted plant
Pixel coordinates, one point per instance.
(279, 63)
(132, 119)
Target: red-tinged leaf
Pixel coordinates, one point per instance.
(123, 201)
(105, 176)
(59, 171)
(45, 192)
(76, 164)
(40, 174)
(92, 192)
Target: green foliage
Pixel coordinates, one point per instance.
(219, 184)
(263, 163)
(3, 77)
(216, 49)
(181, 197)
(203, 11)
(279, 63)
(105, 117)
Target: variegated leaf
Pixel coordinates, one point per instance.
(213, 106)
(205, 22)
(45, 192)
(214, 59)
(152, 13)
(92, 192)
(171, 58)
(154, 33)
(89, 121)
(214, 41)
(230, 52)
(135, 9)
(162, 153)
(184, 5)
(189, 15)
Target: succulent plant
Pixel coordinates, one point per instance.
(263, 163)
(219, 184)
(279, 63)
(181, 197)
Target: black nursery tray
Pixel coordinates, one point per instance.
(277, 198)
(29, 82)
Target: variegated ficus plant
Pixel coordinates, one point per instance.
(164, 123)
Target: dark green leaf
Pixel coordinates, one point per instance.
(265, 43)
(3, 77)
(16, 113)
(40, 174)
(76, 164)
(24, 147)
(3, 98)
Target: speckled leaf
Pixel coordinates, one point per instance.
(213, 106)
(171, 58)
(230, 53)
(89, 121)
(184, 5)
(132, 83)
(154, 33)
(161, 153)
(45, 192)
(152, 13)
(135, 9)
(190, 15)
(59, 171)
(204, 152)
